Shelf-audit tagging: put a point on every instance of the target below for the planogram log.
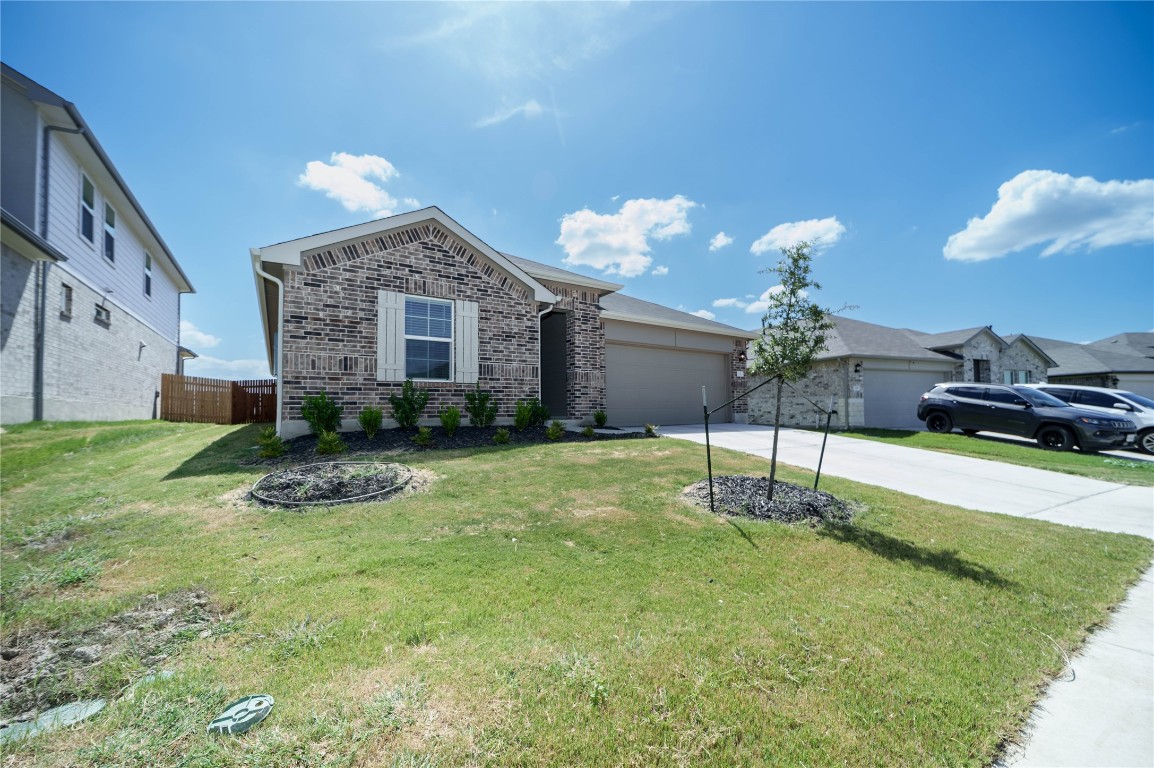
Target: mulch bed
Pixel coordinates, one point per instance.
(400, 440)
(331, 483)
(745, 496)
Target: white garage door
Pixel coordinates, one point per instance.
(891, 397)
(663, 386)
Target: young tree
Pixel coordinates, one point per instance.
(793, 331)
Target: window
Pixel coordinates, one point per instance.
(65, 300)
(103, 315)
(87, 208)
(1100, 399)
(973, 393)
(109, 233)
(999, 395)
(428, 339)
(1016, 377)
(147, 274)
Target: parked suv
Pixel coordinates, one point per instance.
(1117, 402)
(1022, 411)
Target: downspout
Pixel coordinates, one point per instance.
(40, 313)
(279, 334)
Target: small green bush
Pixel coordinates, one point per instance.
(481, 407)
(330, 442)
(599, 418)
(501, 436)
(529, 413)
(370, 419)
(270, 444)
(322, 413)
(556, 430)
(424, 437)
(651, 430)
(450, 420)
(540, 413)
(588, 431)
(408, 405)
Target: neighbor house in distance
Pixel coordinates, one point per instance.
(90, 292)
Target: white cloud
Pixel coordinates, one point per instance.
(719, 241)
(530, 109)
(705, 313)
(1069, 213)
(618, 243)
(216, 368)
(730, 303)
(411, 202)
(194, 338)
(758, 307)
(348, 180)
(823, 233)
(660, 271)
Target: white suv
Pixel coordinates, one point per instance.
(1140, 409)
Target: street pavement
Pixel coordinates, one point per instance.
(1100, 712)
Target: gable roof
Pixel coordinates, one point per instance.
(556, 274)
(1015, 338)
(618, 306)
(1099, 357)
(58, 111)
(857, 338)
(1138, 344)
(951, 339)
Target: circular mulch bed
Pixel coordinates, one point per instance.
(332, 482)
(745, 496)
(304, 447)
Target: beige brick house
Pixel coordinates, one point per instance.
(357, 311)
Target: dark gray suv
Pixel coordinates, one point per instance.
(1022, 411)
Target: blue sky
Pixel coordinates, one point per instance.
(961, 164)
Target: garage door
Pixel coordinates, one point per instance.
(891, 397)
(662, 386)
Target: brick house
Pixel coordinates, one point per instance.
(875, 374)
(90, 305)
(357, 311)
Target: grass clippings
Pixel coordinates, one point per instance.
(334, 482)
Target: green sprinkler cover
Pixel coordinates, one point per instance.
(242, 714)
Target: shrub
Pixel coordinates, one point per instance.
(424, 437)
(450, 419)
(501, 436)
(408, 405)
(588, 431)
(651, 430)
(481, 407)
(270, 444)
(330, 441)
(529, 413)
(556, 430)
(370, 420)
(322, 413)
(599, 418)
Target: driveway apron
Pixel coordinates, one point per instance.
(1100, 713)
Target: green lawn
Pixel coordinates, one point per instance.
(1113, 469)
(546, 605)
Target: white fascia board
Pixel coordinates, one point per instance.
(290, 252)
(735, 333)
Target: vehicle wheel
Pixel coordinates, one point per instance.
(1145, 441)
(939, 422)
(969, 432)
(1055, 438)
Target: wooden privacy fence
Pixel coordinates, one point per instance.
(216, 401)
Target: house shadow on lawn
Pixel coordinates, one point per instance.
(226, 455)
(942, 560)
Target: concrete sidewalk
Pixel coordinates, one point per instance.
(1103, 715)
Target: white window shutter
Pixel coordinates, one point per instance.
(465, 341)
(390, 336)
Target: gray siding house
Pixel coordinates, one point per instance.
(90, 304)
(356, 311)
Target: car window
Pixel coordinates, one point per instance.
(1145, 402)
(1062, 394)
(999, 395)
(974, 393)
(1038, 397)
(1100, 399)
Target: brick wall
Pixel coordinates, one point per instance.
(824, 379)
(330, 325)
(584, 350)
(738, 381)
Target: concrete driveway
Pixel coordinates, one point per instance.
(1101, 711)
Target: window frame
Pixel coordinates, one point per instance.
(450, 341)
(103, 315)
(87, 208)
(65, 300)
(109, 233)
(148, 274)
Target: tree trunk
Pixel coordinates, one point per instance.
(776, 429)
